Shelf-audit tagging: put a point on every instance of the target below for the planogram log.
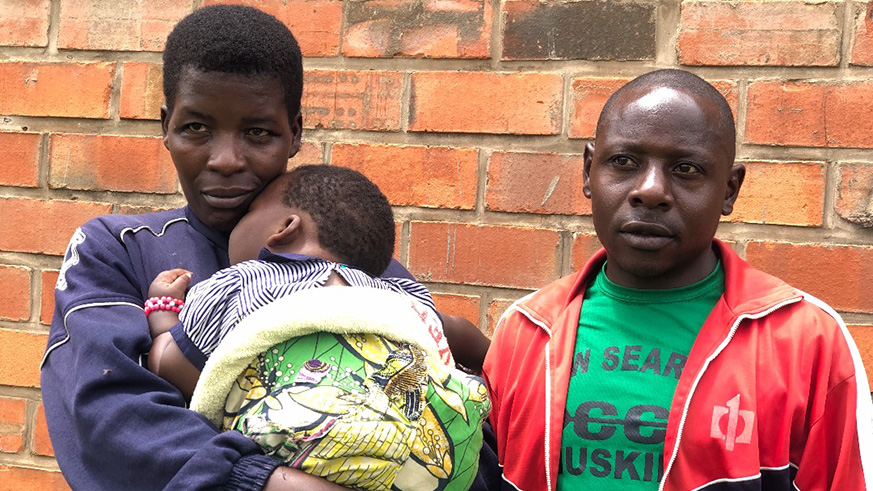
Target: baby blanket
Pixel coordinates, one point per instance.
(346, 383)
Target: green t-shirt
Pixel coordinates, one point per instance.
(630, 350)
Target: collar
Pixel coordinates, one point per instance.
(280, 257)
(219, 239)
(747, 290)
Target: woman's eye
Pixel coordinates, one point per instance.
(258, 132)
(195, 127)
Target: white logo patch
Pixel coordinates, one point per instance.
(71, 258)
(734, 415)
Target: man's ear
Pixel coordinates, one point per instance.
(165, 121)
(588, 157)
(296, 134)
(735, 182)
(287, 234)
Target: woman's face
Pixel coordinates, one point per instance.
(229, 136)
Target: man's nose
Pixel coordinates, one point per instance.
(226, 156)
(652, 189)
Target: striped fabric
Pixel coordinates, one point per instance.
(214, 307)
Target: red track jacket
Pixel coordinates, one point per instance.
(777, 365)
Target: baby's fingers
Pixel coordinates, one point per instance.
(172, 275)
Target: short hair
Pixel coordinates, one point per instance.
(353, 217)
(234, 39)
(682, 81)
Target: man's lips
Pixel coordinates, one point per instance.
(645, 235)
(230, 197)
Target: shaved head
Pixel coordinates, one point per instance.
(680, 81)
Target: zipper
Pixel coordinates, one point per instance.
(706, 364)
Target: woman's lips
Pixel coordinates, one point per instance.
(226, 198)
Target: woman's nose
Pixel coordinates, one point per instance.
(226, 156)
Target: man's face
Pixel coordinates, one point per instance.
(659, 176)
(229, 136)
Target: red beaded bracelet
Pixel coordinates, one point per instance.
(163, 303)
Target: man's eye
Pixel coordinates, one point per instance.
(258, 132)
(622, 161)
(686, 168)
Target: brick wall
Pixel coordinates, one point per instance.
(470, 114)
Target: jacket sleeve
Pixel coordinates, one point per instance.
(114, 424)
(211, 311)
(495, 372)
(837, 453)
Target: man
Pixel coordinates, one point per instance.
(667, 362)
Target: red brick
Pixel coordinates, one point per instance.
(572, 30)
(816, 114)
(24, 23)
(12, 417)
(855, 194)
(47, 295)
(315, 23)
(863, 336)
(584, 246)
(418, 28)
(43, 89)
(341, 99)
(398, 240)
(15, 285)
(479, 102)
(862, 48)
(588, 97)
(839, 275)
(784, 33)
(496, 309)
(20, 356)
(122, 25)
(41, 443)
(768, 184)
(311, 153)
(590, 94)
(21, 159)
(483, 255)
(142, 93)
(14, 478)
(43, 226)
(432, 177)
(466, 306)
(536, 183)
(113, 163)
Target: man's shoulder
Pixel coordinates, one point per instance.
(543, 307)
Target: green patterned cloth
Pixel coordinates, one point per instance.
(362, 411)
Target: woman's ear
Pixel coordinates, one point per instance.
(286, 235)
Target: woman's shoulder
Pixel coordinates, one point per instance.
(118, 224)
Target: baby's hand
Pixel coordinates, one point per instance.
(173, 283)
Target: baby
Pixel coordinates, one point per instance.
(351, 384)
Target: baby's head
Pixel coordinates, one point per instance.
(324, 211)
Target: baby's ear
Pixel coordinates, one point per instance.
(287, 234)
